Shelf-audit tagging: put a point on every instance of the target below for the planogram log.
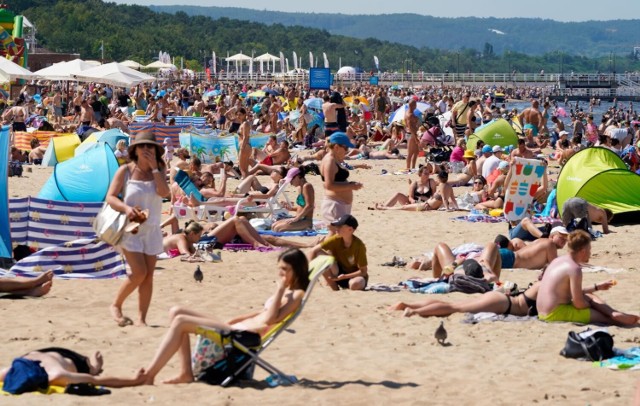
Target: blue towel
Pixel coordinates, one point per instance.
(303, 233)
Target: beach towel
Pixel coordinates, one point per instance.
(430, 286)
(526, 178)
(485, 218)
(474, 318)
(628, 359)
(303, 233)
(79, 259)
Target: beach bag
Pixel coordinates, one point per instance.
(594, 345)
(109, 224)
(229, 360)
(25, 375)
(15, 168)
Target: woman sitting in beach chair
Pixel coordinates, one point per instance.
(293, 273)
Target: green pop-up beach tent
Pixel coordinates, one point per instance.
(600, 177)
(495, 132)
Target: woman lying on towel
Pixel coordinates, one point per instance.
(61, 367)
(522, 304)
(293, 280)
(182, 243)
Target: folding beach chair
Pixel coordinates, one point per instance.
(270, 207)
(202, 212)
(243, 349)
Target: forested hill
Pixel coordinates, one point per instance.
(139, 33)
(532, 36)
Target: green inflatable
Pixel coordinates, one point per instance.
(495, 132)
(600, 177)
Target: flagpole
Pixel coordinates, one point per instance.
(102, 48)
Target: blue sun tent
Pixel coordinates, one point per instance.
(84, 178)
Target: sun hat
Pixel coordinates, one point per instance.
(496, 148)
(146, 137)
(486, 149)
(340, 138)
(468, 154)
(346, 220)
(293, 172)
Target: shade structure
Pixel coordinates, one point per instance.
(238, 58)
(63, 70)
(266, 58)
(346, 70)
(600, 177)
(114, 74)
(160, 65)
(10, 71)
(131, 64)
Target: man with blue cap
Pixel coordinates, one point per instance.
(486, 153)
(338, 191)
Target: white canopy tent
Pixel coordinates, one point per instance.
(63, 70)
(131, 64)
(269, 59)
(238, 59)
(161, 65)
(114, 74)
(10, 71)
(93, 63)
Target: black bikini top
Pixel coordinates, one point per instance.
(341, 176)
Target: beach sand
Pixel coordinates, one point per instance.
(347, 348)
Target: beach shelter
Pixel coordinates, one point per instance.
(63, 70)
(346, 71)
(131, 64)
(60, 149)
(239, 59)
(161, 65)
(85, 178)
(599, 176)
(10, 71)
(110, 137)
(495, 132)
(113, 74)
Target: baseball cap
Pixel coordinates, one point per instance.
(346, 220)
(486, 149)
(341, 138)
(559, 229)
(496, 148)
(293, 172)
(563, 132)
(503, 165)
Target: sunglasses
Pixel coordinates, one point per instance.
(477, 183)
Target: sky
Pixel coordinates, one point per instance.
(560, 10)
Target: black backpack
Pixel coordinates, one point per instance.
(596, 346)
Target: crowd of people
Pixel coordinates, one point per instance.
(354, 131)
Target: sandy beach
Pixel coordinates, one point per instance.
(347, 348)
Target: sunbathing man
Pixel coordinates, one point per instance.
(34, 287)
(535, 255)
(65, 367)
(279, 157)
(562, 298)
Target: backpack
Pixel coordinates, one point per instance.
(594, 345)
(15, 168)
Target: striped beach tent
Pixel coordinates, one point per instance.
(77, 259)
(22, 140)
(180, 120)
(159, 130)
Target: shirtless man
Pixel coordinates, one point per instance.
(198, 105)
(269, 148)
(411, 127)
(57, 107)
(443, 261)
(16, 114)
(279, 157)
(37, 152)
(561, 296)
(522, 151)
(531, 118)
(65, 367)
(86, 113)
(330, 116)
(77, 106)
(536, 255)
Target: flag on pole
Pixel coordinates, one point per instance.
(310, 59)
(326, 60)
(251, 64)
(227, 62)
(377, 62)
(287, 62)
(214, 63)
(295, 61)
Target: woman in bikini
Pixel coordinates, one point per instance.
(293, 280)
(244, 155)
(521, 304)
(469, 171)
(305, 202)
(420, 190)
(182, 243)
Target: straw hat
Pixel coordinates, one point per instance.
(146, 137)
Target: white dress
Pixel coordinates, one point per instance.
(148, 240)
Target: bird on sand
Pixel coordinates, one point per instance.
(441, 334)
(197, 275)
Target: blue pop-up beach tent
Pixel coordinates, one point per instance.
(84, 178)
(5, 229)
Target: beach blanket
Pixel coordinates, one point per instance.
(624, 360)
(78, 259)
(485, 218)
(303, 233)
(526, 178)
(474, 318)
(235, 247)
(430, 286)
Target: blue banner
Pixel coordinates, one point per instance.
(319, 78)
(5, 229)
(373, 81)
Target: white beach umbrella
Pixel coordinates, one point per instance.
(131, 64)
(114, 74)
(63, 70)
(10, 71)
